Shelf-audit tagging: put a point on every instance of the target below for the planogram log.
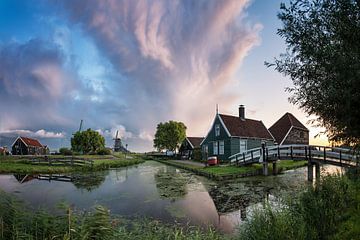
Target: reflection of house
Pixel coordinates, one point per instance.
(22, 178)
(28, 146)
(188, 146)
(233, 134)
(289, 130)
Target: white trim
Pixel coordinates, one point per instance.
(222, 122)
(212, 126)
(189, 142)
(286, 135)
(21, 140)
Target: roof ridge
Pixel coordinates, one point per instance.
(289, 115)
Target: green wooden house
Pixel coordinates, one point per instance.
(230, 135)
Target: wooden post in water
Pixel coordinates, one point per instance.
(310, 171)
(274, 169)
(317, 171)
(265, 163)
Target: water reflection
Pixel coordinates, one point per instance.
(84, 181)
(159, 192)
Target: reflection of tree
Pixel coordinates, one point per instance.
(88, 181)
(171, 185)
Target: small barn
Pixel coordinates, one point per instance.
(230, 135)
(28, 146)
(189, 145)
(289, 130)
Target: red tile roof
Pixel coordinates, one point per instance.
(31, 142)
(281, 127)
(245, 128)
(195, 141)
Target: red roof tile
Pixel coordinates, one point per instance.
(245, 128)
(195, 141)
(281, 127)
(31, 142)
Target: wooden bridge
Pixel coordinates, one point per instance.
(315, 155)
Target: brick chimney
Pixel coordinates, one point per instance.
(242, 112)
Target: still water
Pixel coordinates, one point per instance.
(160, 192)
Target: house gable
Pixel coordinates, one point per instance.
(288, 124)
(224, 132)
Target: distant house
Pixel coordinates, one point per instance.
(3, 151)
(289, 130)
(28, 146)
(230, 135)
(189, 145)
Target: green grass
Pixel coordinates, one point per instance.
(15, 164)
(17, 222)
(330, 210)
(234, 171)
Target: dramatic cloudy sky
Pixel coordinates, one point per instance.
(127, 65)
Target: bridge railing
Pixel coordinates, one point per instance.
(334, 155)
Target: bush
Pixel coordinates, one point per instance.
(104, 151)
(65, 151)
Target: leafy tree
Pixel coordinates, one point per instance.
(323, 61)
(87, 141)
(169, 135)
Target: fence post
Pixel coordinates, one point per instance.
(252, 155)
(237, 160)
(306, 153)
(278, 152)
(340, 159)
(244, 157)
(291, 152)
(324, 154)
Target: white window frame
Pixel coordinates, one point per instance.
(217, 130)
(215, 148)
(221, 147)
(240, 144)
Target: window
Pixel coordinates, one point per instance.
(221, 147)
(301, 134)
(243, 146)
(217, 130)
(215, 148)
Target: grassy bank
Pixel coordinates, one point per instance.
(16, 222)
(221, 172)
(330, 210)
(15, 164)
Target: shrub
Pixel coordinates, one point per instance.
(104, 151)
(65, 151)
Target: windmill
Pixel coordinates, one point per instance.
(117, 143)
(81, 123)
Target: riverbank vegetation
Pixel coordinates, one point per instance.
(17, 222)
(330, 210)
(16, 164)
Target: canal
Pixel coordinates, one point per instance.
(157, 191)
